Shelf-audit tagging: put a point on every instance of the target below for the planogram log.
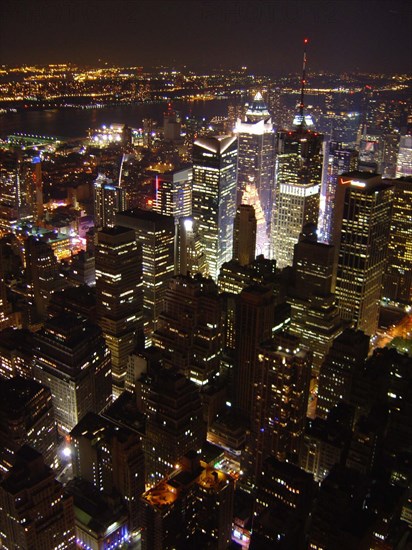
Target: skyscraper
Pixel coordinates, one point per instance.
(119, 296)
(279, 405)
(398, 276)
(42, 273)
(404, 162)
(361, 234)
(315, 316)
(345, 357)
(71, 358)
(174, 193)
(174, 420)
(109, 198)
(340, 161)
(189, 328)
(244, 238)
(26, 416)
(298, 177)
(214, 197)
(256, 158)
(111, 458)
(34, 512)
(254, 323)
(155, 233)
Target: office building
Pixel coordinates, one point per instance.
(326, 441)
(42, 274)
(404, 161)
(315, 315)
(298, 176)
(361, 236)
(279, 405)
(16, 353)
(398, 275)
(256, 158)
(244, 235)
(174, 420)
(101, 520)
(283, 501)
(192, 507)
(34, 511)
(189, 328)
(340, 161)
(345, 357)
(214, 197)
(173, 193)
(254, 323)
(111, 458)
(72, 359)
(26, 416)
(119, 296)
(109, 198)
(155, 233)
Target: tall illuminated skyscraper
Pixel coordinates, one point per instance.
(256, 158)
(361, 234)
(298, 179)
(155, 233)
(398, 276)
(109, 198)
(119, 296)
(340, 161)
(214, 197)
(174, 193)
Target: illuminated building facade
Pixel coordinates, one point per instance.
(174, 420)
(71, 358)
(101, 519)
(174, 193)
(398, 276)
(244, 238)
(340, 161)
(315, 316)
(34, 511)
(345, 357)
(193, 506)
(297, 192)
(279, 406)
(256, 158)
(109, 198)
(155, 233)
(26, 416)
(363, 212)
(111, 458)
(119, 295)
(42, 273)
(404, 162)
(16, 353)
(214, 197)
(189, 328)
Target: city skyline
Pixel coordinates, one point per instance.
(264, 36)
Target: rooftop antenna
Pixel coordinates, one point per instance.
(303, 82)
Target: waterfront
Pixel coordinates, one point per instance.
(73, 123)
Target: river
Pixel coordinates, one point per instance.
(72, 123)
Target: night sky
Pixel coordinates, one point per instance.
(345, 35)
